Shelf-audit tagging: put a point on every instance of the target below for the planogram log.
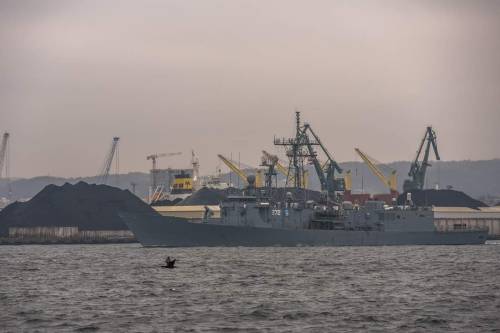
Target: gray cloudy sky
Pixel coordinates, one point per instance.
(225, 76)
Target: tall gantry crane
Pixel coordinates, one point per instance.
(108, 161)
(375, 167)
(3, 154)
(419, 168)
(153, 158)
(326, 172)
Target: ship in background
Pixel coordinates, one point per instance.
(173, 185)
(169, 185)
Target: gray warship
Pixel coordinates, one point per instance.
(256, 217)
(254, 220)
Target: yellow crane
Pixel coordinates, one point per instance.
(390, 182)
(284, 170)
(240, 173)
(348, 180)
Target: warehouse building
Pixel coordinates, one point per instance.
(189, 212)
(455, 218)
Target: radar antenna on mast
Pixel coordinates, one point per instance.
(301, 149)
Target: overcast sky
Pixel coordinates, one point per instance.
(226, 76)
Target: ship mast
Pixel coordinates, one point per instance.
(302, 148)
(297, 151)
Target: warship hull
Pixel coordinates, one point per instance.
(161, 231)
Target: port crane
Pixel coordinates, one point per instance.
(271, 162)
(240, 173)
(419, 168)
(113, 151)
(325, 172)
(290, 179)
(3, 154)
(390, 182)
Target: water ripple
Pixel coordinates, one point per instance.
(116, 288)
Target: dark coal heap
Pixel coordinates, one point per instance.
(204, 196)
(441, 198)
(88, 207)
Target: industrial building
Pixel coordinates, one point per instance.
(455, 218)
(54, 234)
(189, 212)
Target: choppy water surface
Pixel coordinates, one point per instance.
(123, 288)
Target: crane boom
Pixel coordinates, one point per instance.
(156, 156)
(234, 168)
(327, 153)
(390, 182)
(325, 172)
(259, 176)
(103, 175)
(3, 152)
(316, 163)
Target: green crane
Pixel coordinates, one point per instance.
(419, 168)
(325, 173)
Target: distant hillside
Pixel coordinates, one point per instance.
(27, 188)
(476, 178)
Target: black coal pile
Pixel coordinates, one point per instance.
(441, 198)
(88, 207)
(204, 196)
